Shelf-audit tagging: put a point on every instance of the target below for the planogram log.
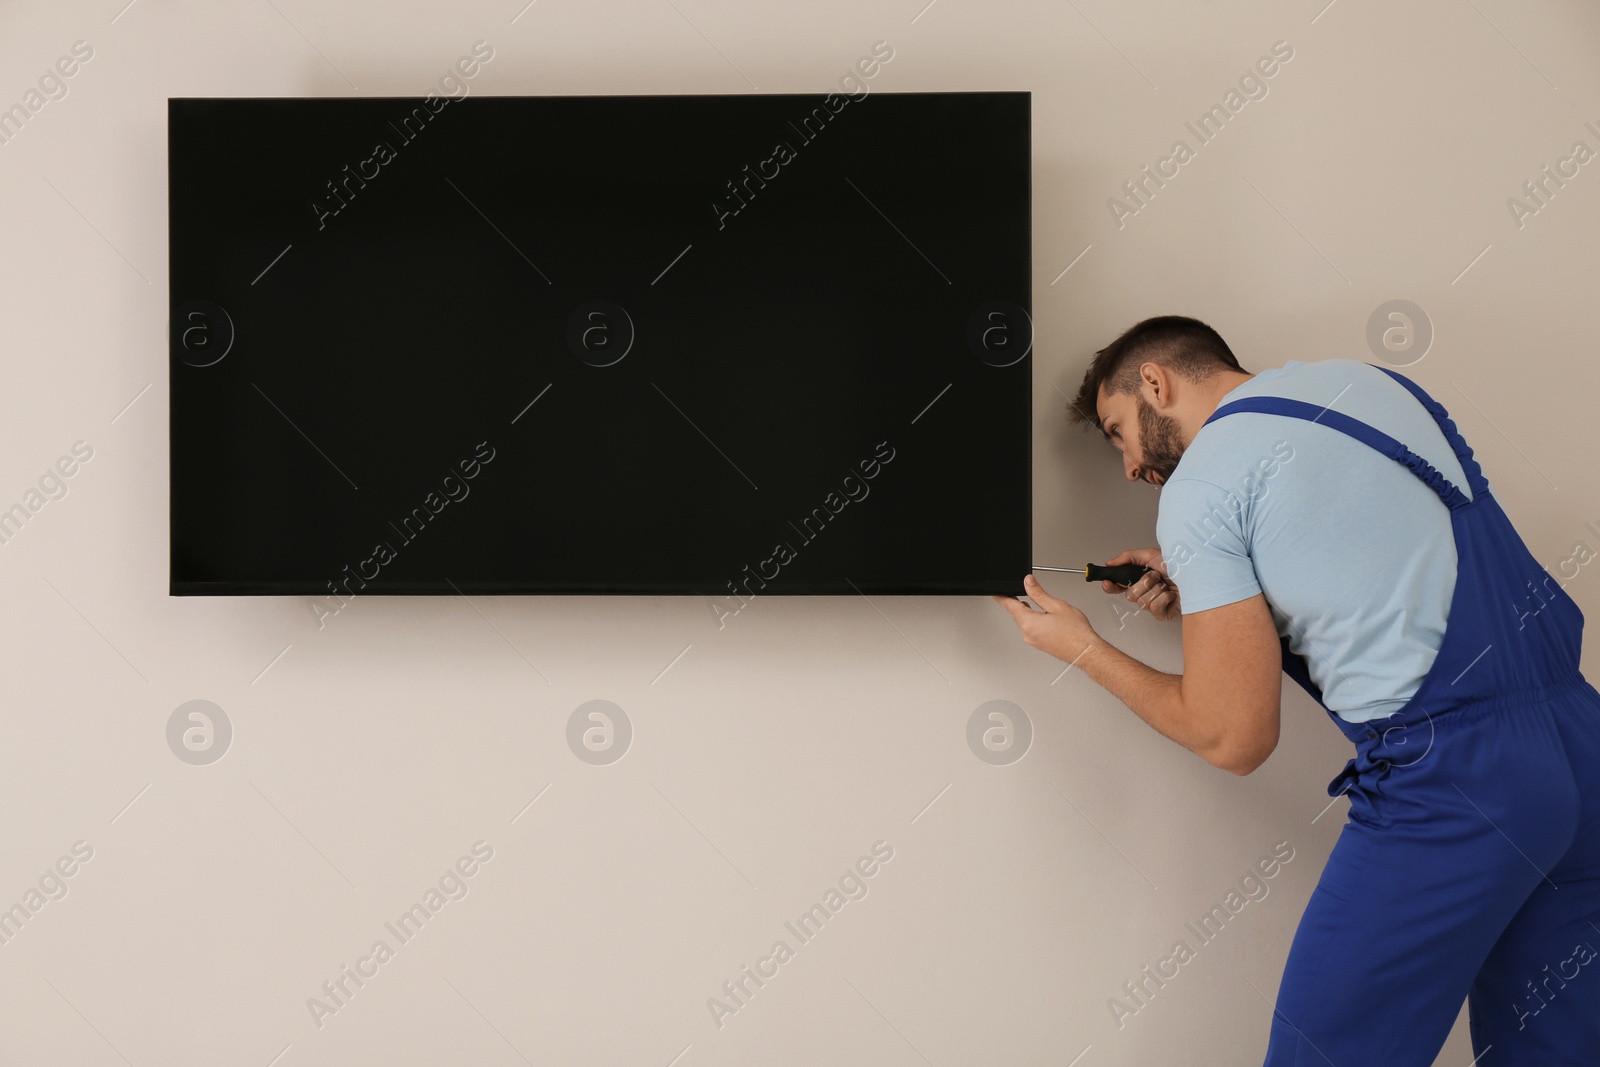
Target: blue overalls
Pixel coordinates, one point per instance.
(1469, 864)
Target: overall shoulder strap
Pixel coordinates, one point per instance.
(1367, 435)
(1475, 479)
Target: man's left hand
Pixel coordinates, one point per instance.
(1060, 629)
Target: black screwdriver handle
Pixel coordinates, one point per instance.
(1121, 574)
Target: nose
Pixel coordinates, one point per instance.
(1130, 469)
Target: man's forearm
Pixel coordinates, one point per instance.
(1154, 696)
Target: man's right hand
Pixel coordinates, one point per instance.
(1155, 592)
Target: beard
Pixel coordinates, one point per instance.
(1159, 440)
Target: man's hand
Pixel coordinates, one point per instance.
(1155, 592)
(1060, 629)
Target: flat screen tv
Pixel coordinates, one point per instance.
(721, 345)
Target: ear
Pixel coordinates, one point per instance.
(1155, 385)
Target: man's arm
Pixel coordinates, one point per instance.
(1224, 706)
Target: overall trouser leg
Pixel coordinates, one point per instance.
(1536, 1002)
(1438, 858)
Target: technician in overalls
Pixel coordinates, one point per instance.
(1326, 521)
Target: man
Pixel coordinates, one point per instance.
(1326, 520)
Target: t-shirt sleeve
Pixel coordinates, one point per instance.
(1201, 530)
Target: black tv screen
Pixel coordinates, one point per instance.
(724, 345)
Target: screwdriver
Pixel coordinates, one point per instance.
(1121, 574)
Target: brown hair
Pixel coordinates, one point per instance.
(1184, 345)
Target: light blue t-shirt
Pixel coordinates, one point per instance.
(1355, 554)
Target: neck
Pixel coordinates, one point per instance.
(1211, 394)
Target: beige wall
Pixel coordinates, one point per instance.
(368, 756)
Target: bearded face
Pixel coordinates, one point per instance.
(1159, 440)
